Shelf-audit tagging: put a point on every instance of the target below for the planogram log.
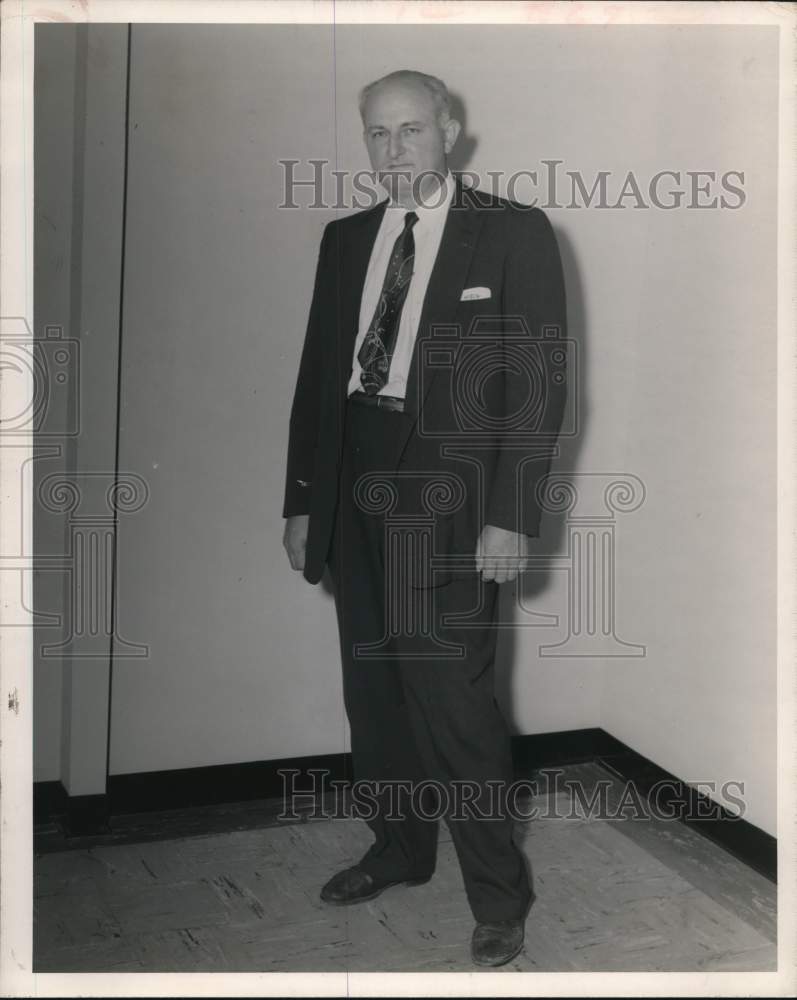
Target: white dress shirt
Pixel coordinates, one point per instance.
(427, 233)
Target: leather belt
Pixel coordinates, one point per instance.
(386, 402)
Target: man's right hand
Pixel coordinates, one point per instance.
(295, 539)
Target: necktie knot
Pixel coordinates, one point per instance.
(410, 219)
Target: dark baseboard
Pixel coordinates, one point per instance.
(159, 791)
(87, 815)
(77, 815)
(220, 783)
(697, 810)
(49, 801)
(570, 746)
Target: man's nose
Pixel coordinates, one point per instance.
(396, 146)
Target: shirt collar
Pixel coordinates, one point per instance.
(438, 206)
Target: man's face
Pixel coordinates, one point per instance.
(404, 139)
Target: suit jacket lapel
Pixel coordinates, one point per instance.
(354, 257)
(443, 293)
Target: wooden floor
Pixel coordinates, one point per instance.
(610, 896)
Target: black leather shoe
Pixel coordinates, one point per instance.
(497, 943)
(353, 885)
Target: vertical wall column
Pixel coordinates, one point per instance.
(100, 124)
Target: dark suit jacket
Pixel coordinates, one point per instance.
(486, 387)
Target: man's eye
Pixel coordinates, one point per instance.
(412, 130)
(378, 133)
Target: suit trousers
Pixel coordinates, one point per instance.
(428, 738)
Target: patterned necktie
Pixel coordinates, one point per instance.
(380, 340)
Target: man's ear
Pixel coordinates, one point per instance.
(451, 131)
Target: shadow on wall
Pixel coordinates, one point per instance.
(466, 144)
(552, 535)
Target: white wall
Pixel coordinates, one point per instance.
(674, 312)
(244, 663)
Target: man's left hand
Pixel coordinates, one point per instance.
(501, 554)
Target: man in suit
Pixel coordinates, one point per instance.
(426, 404)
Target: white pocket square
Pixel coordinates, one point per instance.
(475, 293)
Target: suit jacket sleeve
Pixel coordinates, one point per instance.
(305, 411)
(534, 291)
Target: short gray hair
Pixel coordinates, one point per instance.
(436, 88)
